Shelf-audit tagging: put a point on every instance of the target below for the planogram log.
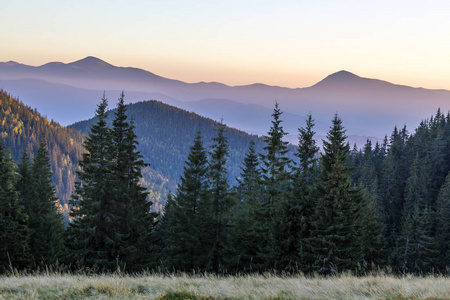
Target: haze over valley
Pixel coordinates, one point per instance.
(370, 108)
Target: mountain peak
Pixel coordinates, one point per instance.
(90, 62)
(10, 63)
(338, 78)
(342, 75)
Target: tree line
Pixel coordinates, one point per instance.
(325, 212)
(282, 216)
(159, 127)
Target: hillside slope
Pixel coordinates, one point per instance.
(22, 127)
(165, 134)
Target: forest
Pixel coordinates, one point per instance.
(22, 128)
(160, 127)
(291, 209)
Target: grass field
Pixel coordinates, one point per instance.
(63, 286)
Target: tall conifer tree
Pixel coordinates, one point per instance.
(275, 180)
(183, 237)
(394, 175)
(47, 223)
(301, 203)
(92, 232)
(219, 201)
(135, 240)
(244, 236)
(337, 233)
(14, 231)
(25, 186)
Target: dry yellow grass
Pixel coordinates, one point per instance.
(61, 286)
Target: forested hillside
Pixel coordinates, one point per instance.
(408, 179)
(22, 128)
(165, 134)
(384, 206)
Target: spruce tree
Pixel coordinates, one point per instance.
(337, 233)
(183, 236)
(47, 223)
(275, 180)
(365, 177)
(275, 163)
(300, 204)
(25, 186)
(135, 224)
(249, 183)
(244, 235)
(215, 211)
(14, 230)
(92, 232)
(392, 187)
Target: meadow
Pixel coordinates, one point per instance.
(182, 286)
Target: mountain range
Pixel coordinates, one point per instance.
(369, 107)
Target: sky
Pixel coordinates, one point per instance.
(285, 43)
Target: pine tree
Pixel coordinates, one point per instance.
(249, 183)
(135, 224)
(215, 211)
(244, 236)
(275, 180)
(14, 230)
(182, 238)
(392, 187)
(92, 232)
(25, 186)
(274, 161)
(301, 203)
(337, 233)
(47, 223)
(371, 219)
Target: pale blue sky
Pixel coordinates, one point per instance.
(286, 43)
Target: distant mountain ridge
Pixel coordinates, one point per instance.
(368, 107)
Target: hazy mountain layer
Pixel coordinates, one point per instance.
(368, 107)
